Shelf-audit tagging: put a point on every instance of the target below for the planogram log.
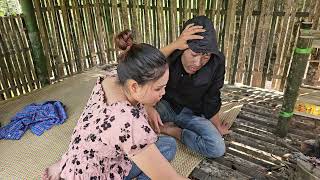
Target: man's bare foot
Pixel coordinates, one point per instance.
(171, 129)
(53, 172)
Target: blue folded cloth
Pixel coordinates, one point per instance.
(37, 117)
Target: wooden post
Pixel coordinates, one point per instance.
(36, 46)
(235, 54)
(297, 69)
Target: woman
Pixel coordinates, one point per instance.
(112, 139)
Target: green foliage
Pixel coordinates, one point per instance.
(9, 7)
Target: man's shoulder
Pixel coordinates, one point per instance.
(175, 56)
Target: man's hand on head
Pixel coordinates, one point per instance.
(188, 33)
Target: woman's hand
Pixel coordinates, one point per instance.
(154, 118)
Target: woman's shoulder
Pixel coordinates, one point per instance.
(112, 90)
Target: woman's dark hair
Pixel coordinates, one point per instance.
(140, 62)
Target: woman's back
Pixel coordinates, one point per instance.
(105, 135)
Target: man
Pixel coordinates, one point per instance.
(192, 100)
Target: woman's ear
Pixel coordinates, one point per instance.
(133, 86)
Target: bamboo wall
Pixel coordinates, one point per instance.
(257, 37)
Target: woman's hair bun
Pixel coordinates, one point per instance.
(124, 40)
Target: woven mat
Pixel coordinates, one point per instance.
(28, 157)
(186, 160)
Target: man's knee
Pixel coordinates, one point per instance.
(215, 148)
(168, 147)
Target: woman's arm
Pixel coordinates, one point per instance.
(154, 165)
(181, 43)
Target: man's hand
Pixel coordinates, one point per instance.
(223, 127)
(154, 118)
(187, 34)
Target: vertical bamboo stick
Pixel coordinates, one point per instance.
(202, 7)
(36, 46)
(248, 73)
(43, 35)
(229, 35)
(263, 34)
(66, 30)
(79, 32)
(124, 14)
(20, 65)
(100, 34)
(147, 20)
(134, 20)
(160, 27)
(289, 8)
(8, 84)
(107, 16)
(244, 44)
(173, 24)
(9, 48)
(55, 38)
(90, 30)
(27, 54)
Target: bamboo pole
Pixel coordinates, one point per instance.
(108, 24)
(316, 16)
(36, 46)
(100, 35)
(223, 26)
(236, 49)
(288, 53)
(12, 63)
(294, 81)
(173, 24)
(248, 74)
(115, 17)
(57, 49)
(229, 36)
(8, 83)
(135, 20)
(71, 14)
(67, 32)
(154, 25)
(3, 79)
(244, 44)
(79, 32)
(31, 71)
(290, 10)
(21, 67)
(270, 54)
(147, 21)
(202, 7)
(91, 33)
(216, 13)
(43, 35)
(62, 38)
(124, 14)
(162, 40)
(88, 48)
(185, 12)
(263, 36)
(46, 28)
